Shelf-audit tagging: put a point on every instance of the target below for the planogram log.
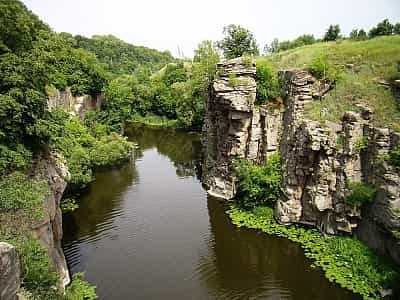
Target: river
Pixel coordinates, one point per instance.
(147, 230)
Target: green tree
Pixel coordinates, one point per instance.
(237, 42)
(396, 28)
(383, 28)
(358, 35)
(333, 33)
(273, 47)
(18, 26)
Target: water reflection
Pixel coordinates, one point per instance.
(148, 231)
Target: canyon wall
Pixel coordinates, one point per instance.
(319, 158)
(52, 168)
(77, 106)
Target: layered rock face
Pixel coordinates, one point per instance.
(76, 105)
(234, 128)
(380, 223)
(319, 159)
(315, 167)
(10, 272)
(52, 168)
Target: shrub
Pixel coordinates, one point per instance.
(394, 157)
(17, 191)
(361, 144)
(79, 289)
(360, 193)
(321, 68)
(268, 86)
(258, 185)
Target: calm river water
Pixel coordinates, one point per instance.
(148, 231)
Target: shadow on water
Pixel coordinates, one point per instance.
(148, 231)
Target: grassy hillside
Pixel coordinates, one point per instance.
(362, 65)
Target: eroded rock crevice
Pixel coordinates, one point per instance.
(319, 159)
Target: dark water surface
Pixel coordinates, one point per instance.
(148, 231)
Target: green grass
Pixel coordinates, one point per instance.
(345, 260)
(364, 64)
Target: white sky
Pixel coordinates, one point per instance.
(167, 24)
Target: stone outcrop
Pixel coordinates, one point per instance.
(52, 168)
(319, 159)
(10, 272)
(380, 223)
(234, 128)
(76, 105)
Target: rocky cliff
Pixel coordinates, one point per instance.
(319, 159)
(10, 272)
(234, 127)
(76, 105)
(52, 168)
(48, 230)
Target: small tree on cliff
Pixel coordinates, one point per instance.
(238, 41)
(333, 33)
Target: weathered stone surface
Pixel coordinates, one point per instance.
(76, 105)
(52, 168)
(319, 159)
(10, 272)
(382, 217)
(234, 128)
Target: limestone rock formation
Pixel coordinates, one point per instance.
(52, 168)
(234, 128)
(381, 219)
(76, 105)
(10, 272)
(319, 159)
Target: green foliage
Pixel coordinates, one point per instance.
(394, 157)
(237, 42)
(303, 40)
(121, 58)
(68, 205)
(321, 68)
(332, 33)
(82, 150)
(361, 144)
(15, 158)
(258, 185)
(19, 27)
(360, 194)
(345, 261)
(268, 86)
(358, 35)
(155, 121)
(80, 289)
(396, 28)
(17, 191)
(383, 28)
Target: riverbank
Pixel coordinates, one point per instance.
(154, 121)
(344, 260)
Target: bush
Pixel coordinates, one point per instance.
(17, 191)
(79, 289)
(268, 86)
(258, 185)
(394, 157)
(321, 68)
(360, 194)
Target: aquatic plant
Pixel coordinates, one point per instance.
(345, 260)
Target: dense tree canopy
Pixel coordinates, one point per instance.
(120, 57)
(333, 33)
(238, 41)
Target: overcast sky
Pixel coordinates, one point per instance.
(169, 24)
